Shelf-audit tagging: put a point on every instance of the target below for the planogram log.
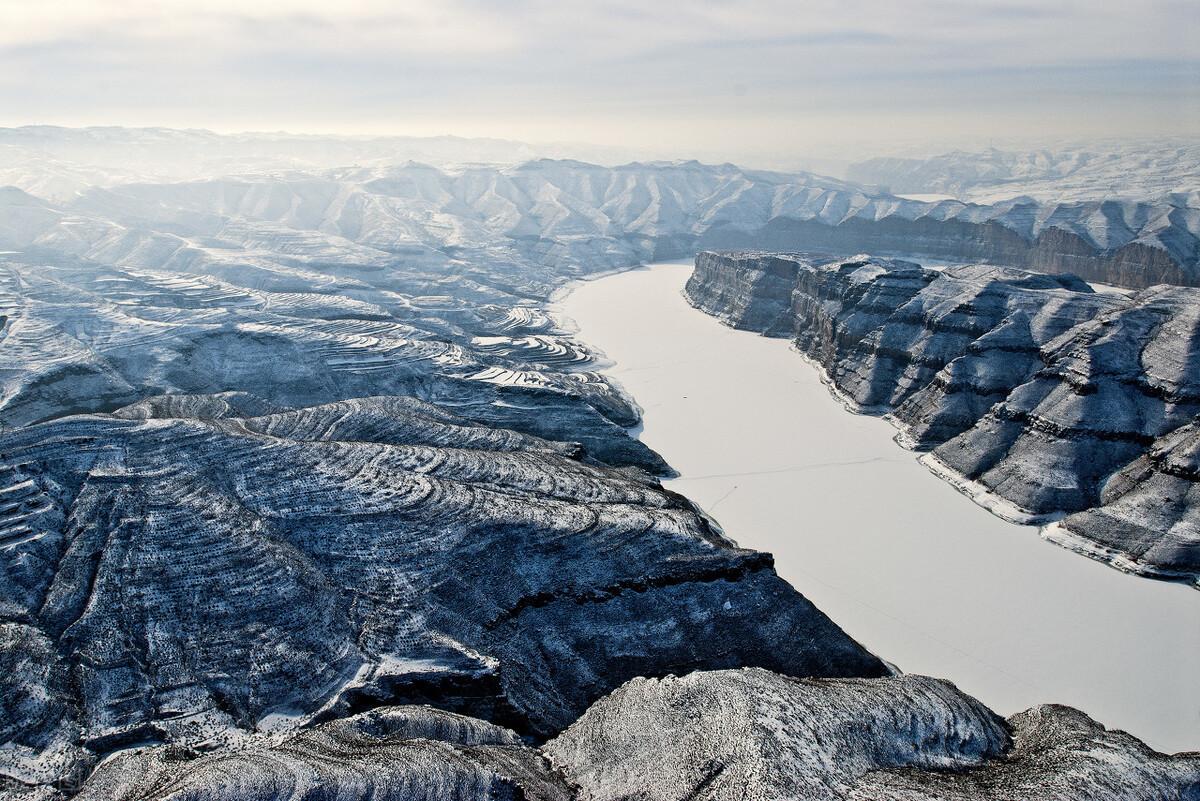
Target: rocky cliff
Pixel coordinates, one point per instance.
(1033, 392)
(281, 480)
(1148, 517)
(190, 579)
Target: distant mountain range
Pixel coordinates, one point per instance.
(57, 163)
(565, 212)
(1139, 171)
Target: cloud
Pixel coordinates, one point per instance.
(618, 70)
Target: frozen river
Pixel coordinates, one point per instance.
(902, 561)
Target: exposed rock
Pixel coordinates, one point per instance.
(1058, 754)
(750, 734)
(282, 449)
(733, 734)
(197, 580)
(404, 753)
(1149, 518)
(82, 337)
(1031, 390)
(1108, 389)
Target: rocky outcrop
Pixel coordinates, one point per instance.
(286, 459)
(1148, 519)
(1108, 390)
(1018, 233)
(752, 734)
(273, 483)
(764, 736)
(730, 734)
(1032, 391)
(189, 581)
(82, 337)
(1058, 754)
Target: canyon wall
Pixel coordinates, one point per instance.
(1039, 396)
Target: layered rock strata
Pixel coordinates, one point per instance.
(1035, 393)
(1149, 512)
(404, 753)
(193, 579)
(730, 734)
(753, 734)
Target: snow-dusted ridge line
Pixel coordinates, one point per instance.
(1142, 170)
(616, 216)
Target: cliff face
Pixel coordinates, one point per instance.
(1149, 511)
(996, 241)
(750, 292)
(280, 481)
(1108, 389)
(186, 580)
(1030, 390)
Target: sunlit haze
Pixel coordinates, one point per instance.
(755, 81)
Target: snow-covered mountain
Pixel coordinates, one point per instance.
(563, 215)
(1138, 171)
(57, 163)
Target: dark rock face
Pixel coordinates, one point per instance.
(186, 580)
(258, 476)
(1005, 234)
(731, 734)
(1032, 391)
(910, 737)
(1149, 513)
(1108, 390)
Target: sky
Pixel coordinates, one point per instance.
(743, 80)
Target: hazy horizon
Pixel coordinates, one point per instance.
(752, 81)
